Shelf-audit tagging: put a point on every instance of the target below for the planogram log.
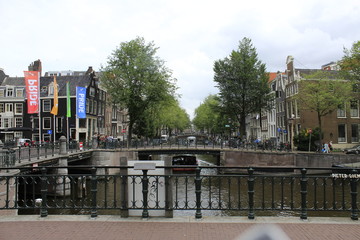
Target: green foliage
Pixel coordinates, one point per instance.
(350, 63)
(242, 82)
(137, 79)
(207, 115)
(323, 93)
(302, 140)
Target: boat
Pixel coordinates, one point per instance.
(188, 162)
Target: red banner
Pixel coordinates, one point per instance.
(32, 91)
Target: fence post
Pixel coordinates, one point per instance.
(38, 151)
(43, 210)
(29, 153)
(145, 185)
(93, 192)
(198, 193)
(353, 186)
(251, 180)
(19, 154)
(124, 212)
(303, 183)
(169, 213)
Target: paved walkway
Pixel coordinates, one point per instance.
(209, 228)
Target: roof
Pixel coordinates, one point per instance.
(272, 76)
(82, 81)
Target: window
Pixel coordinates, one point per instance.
(19, 92)
(47, 105)
(341, 133)
(354, 133)
(8, 107)
(92, 92)
(354, 109)
(87, 105)
(47, 123)
(7, 123)
(1, 92)
(18, 108)
(35, 122)
(18, 135)
(44, 89)
(59, 124)
(1, 107)
(18, 122)
(82, 122)
(341, 113)
(10, 92)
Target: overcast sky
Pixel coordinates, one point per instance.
(190, 34)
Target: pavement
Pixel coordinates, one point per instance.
(104, 227)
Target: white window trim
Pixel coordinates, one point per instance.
(43, 123)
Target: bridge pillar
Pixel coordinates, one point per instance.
(63, 150)
(95, 143)
(63, 186)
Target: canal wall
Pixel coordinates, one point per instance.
(235, 158)
(280, 159)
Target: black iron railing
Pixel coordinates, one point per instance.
(103, 190)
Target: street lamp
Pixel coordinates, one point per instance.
(291, 120)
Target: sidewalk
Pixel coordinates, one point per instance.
(209, 228)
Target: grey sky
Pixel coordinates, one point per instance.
(191, 35)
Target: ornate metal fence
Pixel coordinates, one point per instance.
(106, 190)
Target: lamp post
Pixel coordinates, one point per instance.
(291, 120)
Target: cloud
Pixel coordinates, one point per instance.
(190, 34)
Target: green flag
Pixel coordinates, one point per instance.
(68, 103)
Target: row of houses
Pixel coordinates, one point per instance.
(102, 117)
(287, 119)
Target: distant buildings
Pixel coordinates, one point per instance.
(341, 126)
(16, 123)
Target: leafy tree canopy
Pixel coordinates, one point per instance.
(350, 63)
(242, 82)
(137, 79)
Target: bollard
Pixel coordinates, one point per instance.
(251, 191)
(198, 213)
(303, 183)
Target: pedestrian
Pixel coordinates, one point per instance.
(326, 148)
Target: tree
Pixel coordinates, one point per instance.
(137, 79)
(207, 116)
(350, 63)
(242, 82)
(321, 93)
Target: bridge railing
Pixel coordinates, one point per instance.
(184, 143)
(206, 190)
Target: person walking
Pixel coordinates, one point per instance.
(326, 148)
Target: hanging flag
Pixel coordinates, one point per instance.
(68, 103)
(80, 102)
(55, 108)
(32, 91)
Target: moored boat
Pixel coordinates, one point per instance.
(184, 163)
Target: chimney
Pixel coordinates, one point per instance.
(36, 66)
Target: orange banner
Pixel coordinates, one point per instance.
(32, 91)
